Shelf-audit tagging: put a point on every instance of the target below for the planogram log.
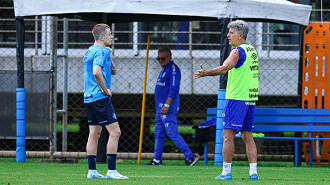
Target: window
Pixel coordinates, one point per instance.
(162, 34)
(176, 35)
(280, 36)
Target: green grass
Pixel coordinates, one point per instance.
(173, 172)
(183, 129)
(71, 127)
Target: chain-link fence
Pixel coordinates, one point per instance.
(191, 42)
(36, 83)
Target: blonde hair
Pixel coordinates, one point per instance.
(98, 30)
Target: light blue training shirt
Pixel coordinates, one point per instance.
(96, 55)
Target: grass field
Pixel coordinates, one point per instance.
(173, 172)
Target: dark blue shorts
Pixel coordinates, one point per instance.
(100, 112)
(239, 115)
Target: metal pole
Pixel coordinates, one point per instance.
(144, 101)
(135, 39)
(300, 82)
(268, 40)
(36, 35)
(192, 59)
(53, 85)
(190, 38)
(113, 27)
(45, 34)
(65, 85)
(321, 12)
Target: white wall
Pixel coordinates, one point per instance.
(278, 76)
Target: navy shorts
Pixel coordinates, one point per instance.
(239, 115)
(100, 112)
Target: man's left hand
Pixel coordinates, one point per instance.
(164, 110)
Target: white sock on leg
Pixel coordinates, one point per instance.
(226, 168)
(253, 168)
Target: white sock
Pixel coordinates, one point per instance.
(226, 168)
(253, 168)
(157, 161)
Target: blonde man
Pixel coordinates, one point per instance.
(97, 99)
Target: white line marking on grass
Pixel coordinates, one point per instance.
(153, 176)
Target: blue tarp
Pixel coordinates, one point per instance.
(210, 122)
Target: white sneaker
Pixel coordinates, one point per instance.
(93, 174)
(113, 174)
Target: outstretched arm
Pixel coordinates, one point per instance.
(229, 63)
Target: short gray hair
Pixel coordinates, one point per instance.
(167, 50)
(241, 27)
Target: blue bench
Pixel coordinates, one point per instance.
(287, 120)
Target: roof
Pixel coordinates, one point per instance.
(160, 10)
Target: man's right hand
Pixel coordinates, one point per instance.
(200, 73)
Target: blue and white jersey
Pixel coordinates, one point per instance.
(96, 55)
(168, 85)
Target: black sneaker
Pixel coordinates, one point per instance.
(192, 161)
(154, 163)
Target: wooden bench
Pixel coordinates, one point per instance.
(287, 120)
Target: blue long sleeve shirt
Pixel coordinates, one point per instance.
(168, 85)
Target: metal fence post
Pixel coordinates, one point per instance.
(65, 85)
(53, 86)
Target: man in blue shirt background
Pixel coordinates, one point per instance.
(167, 100)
